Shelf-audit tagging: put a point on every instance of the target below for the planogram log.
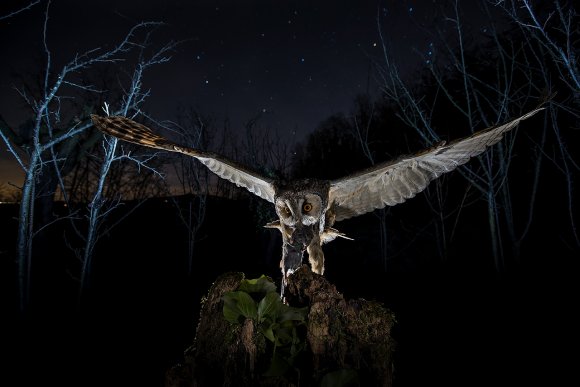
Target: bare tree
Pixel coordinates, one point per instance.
(363, 120)
(98, 207)
(49, 140)
(552, 32)
(264, 150)
(482, 95)
(19, 10)
(193, 178)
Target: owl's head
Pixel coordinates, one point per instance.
(300, 207)
(301, 202)
(296, 210)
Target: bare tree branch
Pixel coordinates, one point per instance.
(22, 9)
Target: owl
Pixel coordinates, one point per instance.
(307, 209)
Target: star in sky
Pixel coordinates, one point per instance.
(309, 60)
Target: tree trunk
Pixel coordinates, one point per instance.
(346, 342)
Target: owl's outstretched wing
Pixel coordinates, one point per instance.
(393, 182)
(131, 131)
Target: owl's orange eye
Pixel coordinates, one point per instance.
(307, 207)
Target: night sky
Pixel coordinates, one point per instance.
(295, 63)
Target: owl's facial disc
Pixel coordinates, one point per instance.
(295, 210)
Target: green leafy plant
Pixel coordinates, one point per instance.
(282, 325)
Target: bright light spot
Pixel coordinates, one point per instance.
(301, 60)
(410, 9)
(374, 44)
(206, 82)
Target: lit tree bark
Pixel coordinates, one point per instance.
(344, 341)
(47, 148)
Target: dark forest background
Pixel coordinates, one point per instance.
(104, 262)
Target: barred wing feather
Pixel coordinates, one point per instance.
(393, 182)
(134, 132)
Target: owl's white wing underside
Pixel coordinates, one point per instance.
(393, 182)
(134, 132)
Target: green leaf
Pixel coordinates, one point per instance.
(238, 304)
(269, 333)
(269, 306)
(231, 311)
(284, 336)
(257, 285)
(247, 305)
(232, 315)
(291, 313)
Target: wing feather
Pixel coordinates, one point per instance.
(393, 182)
(134, 132)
